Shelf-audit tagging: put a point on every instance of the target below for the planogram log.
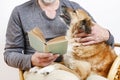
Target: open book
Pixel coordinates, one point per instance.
(38, 42)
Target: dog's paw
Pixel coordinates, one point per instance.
(34, 70)
(46, 70)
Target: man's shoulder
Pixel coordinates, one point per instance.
(71, 4)
(25, 5)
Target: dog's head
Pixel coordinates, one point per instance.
(77, 19)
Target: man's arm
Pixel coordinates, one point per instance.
(14, 49)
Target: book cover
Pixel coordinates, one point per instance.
(56, 45)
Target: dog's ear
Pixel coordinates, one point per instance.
(86, 26)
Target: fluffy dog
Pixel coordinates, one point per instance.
(85, 60)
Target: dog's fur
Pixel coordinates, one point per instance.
(55, 71)
(85, 60)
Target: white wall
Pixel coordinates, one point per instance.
(105, 12)
(6, 6)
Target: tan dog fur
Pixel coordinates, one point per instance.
(86, 60)
(51, 72)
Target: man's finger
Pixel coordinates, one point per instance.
(45, 55)
(88, 43)
(86, 39)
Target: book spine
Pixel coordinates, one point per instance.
(45, 48)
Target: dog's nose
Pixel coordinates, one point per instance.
(46, 73)
(64, 9)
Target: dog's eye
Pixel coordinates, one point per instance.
(84, 22)
(74, 11)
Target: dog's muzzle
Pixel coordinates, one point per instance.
(65, 15)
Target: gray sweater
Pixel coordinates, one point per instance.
(24, 18)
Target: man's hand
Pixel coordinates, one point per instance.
(43, 59)
(97, 35)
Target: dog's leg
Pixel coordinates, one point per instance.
(82, 68)
(34, 69)
(63, 67)
(45, 71)
(96, 77)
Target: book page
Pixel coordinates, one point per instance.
(36, 42)
(58, 47)
(38, 33)
(57, 39)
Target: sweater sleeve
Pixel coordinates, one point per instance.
(14, 48)
(110, 41)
